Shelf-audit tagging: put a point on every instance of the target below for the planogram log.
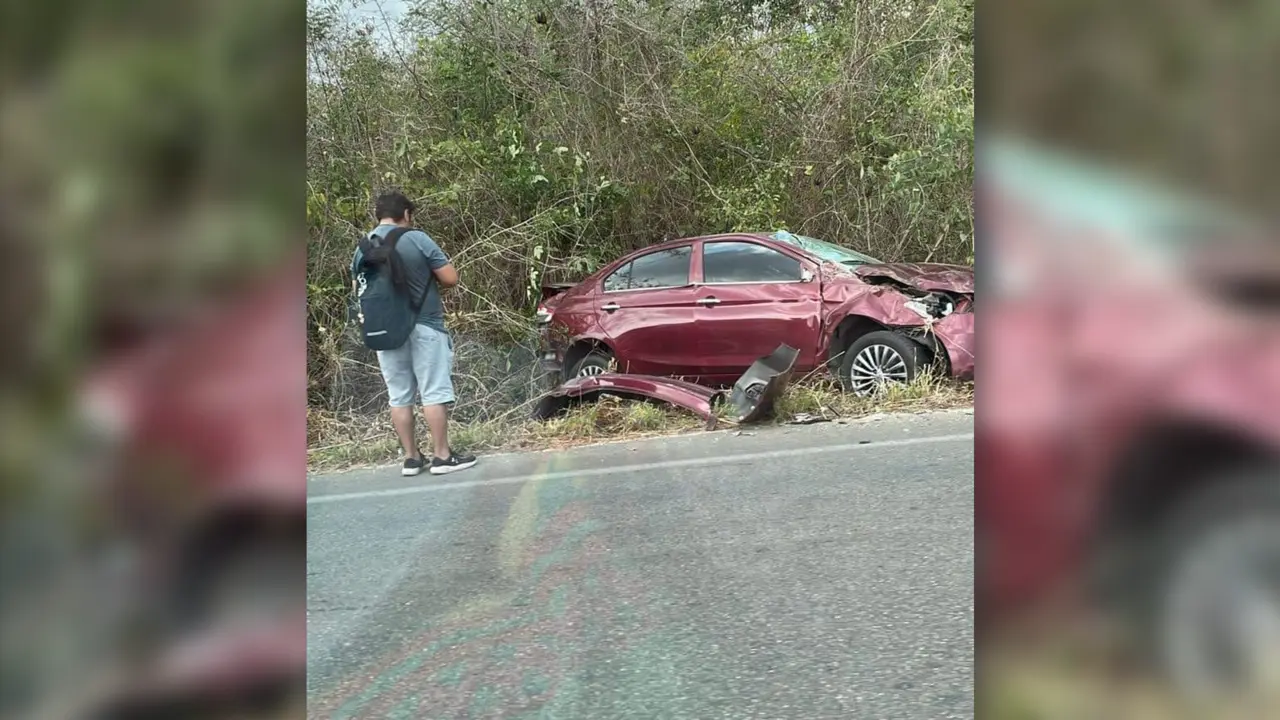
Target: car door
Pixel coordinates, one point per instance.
(646, 307)
(750, 299)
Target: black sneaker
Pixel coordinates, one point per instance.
(455, 463)
(413, 466)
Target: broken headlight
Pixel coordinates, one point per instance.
(934, 306)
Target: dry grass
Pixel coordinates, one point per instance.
(1069, 680)
(342, 441)
(822, 397)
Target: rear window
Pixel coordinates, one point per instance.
(660, 269)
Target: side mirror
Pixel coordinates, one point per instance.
(806, 275)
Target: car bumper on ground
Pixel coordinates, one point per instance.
(751, 398)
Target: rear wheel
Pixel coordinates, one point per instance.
(596, 362)
(878, 359)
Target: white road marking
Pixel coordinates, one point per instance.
(639, 467)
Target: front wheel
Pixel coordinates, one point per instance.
(878, 359)
(1213, 609)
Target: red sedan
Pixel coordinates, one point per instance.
(1129, 437)
(705, 308)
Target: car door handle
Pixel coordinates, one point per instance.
(610, 307)
(709, 301)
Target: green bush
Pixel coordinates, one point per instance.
(545, 138)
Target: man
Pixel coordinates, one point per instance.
(424, 364)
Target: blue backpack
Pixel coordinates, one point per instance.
(387, 313)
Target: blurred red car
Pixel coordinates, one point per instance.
(705, 308)
(1129, 430)
(202, 468)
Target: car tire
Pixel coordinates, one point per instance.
(595, 362)
(898, 358)
(1197, 622)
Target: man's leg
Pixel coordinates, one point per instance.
(433, 365)
(438, 423)
(397, 371)
(403, 421)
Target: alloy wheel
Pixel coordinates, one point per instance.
(1222, 612)
(875, 366)
(589, 370)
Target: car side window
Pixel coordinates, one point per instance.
(661, 269)
(739, 262)
(619, 279)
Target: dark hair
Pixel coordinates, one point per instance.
(393, 204)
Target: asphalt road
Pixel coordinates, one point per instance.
(806, 572)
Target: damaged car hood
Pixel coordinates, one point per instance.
(923, 276)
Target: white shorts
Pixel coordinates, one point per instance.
(422, 366)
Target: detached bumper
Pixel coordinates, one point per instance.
(696, 398)
(752, 397)
(956, 333)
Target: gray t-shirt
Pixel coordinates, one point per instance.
(422, 257)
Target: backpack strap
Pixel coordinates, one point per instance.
(394, 236)
(391, 238)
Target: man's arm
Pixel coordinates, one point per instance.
(446, 274)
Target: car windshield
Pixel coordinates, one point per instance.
(825, 250)
(1146, 217)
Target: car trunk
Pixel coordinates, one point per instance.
(554, 290)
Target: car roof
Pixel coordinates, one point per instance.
(765, 237)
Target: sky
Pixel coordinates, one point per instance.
(369, 9)
(379, 13)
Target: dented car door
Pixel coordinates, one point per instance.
(750, 299)
(646, 309)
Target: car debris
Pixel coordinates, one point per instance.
(752, 397)
(700, 400)
(755, 393)
(823, 414)
(807, 419)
